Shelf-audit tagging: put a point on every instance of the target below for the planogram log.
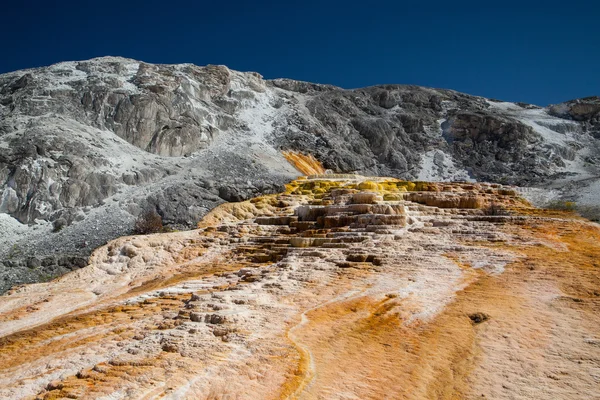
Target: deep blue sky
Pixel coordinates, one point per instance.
(533, 51)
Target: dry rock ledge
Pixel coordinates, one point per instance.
(342, 287)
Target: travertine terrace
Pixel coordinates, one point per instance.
(343, 287)
(97, 143)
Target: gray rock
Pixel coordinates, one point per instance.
(196, 317)
(214, 319)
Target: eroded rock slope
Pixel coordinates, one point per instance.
(86, 147)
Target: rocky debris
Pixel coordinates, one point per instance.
(478, 318)
(214, 319)
(196, 317)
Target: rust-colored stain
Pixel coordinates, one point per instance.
(528, 331)
(305, 163)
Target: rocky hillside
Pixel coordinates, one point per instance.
(341, 287)
(87, 147)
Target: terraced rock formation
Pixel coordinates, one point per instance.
(341, 287)
(87, 147)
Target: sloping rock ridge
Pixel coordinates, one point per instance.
(341, 287)
(87, 147)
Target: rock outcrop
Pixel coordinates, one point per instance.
(586, 111)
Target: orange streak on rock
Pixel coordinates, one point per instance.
(305, 163)
(361, 347)
(345, 318)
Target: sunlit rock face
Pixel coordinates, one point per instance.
(86, 147)
(340, 287)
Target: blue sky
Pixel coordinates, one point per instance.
(540, 52)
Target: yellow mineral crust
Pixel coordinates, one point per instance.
(342, 287)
